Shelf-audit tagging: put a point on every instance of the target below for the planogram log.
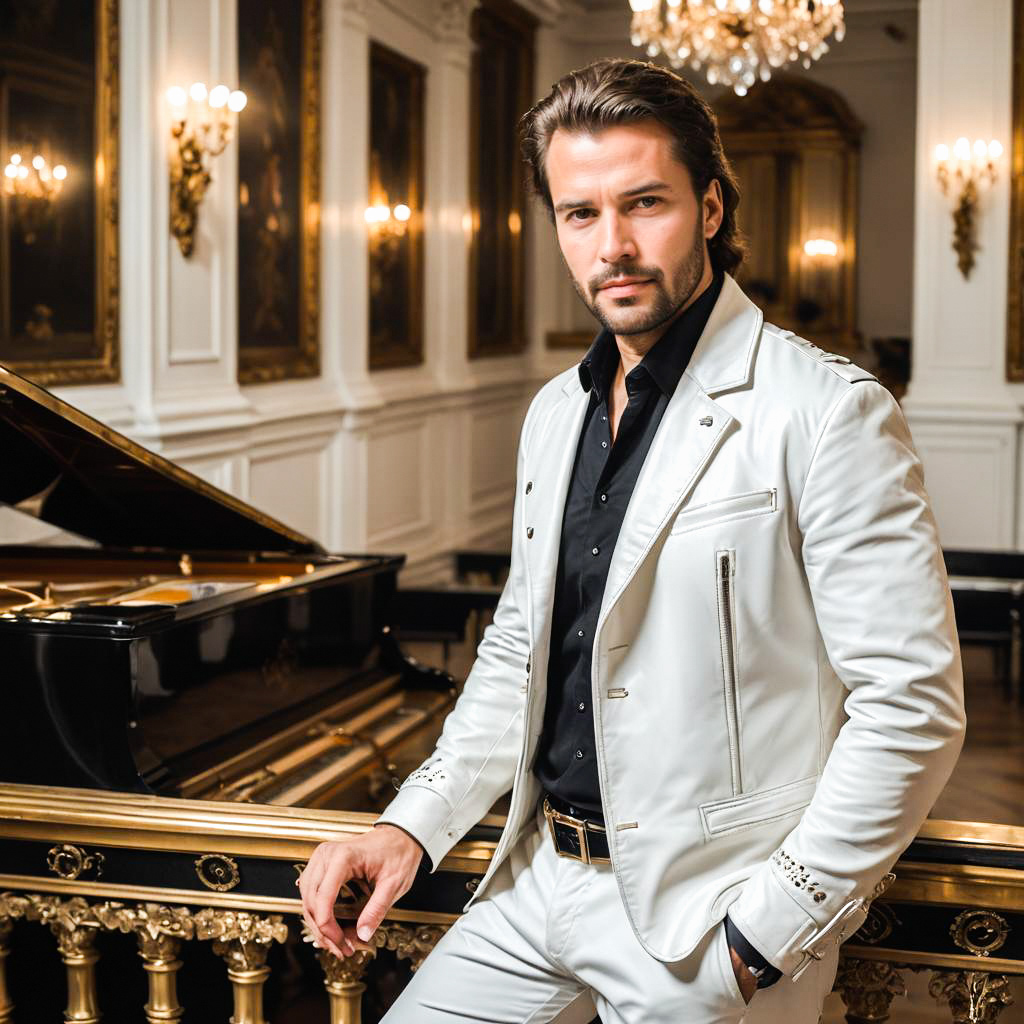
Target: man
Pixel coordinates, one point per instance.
(723, 680)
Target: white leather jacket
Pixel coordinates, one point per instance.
(776, 678)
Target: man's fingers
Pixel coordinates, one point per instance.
(337, 871)
(385, 893)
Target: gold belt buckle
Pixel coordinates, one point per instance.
(581, 831)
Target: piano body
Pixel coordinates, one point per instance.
(194, 696)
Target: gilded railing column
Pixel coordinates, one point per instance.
(868, 988)
(160, 931)
(973, 997)
(343, 981)
(75, 928)
(6, 1006)
(243, 941)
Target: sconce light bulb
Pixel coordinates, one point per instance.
(198, 91)
(402, 212)
(219, 96)
(22, 171)
(176, 96)
(995, 150)
(942, 152)
(962, 149)
(980, 149)
(38, 162)
(237, 101)
(639, 6)
(60, 172)
(11, 171)
(370, 214)
(16, 159)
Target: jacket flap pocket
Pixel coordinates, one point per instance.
(734, 507)
(737, 812)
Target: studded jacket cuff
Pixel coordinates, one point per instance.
(793, 929)
(425, 815)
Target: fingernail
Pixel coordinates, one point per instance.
(308, 938)
(364, 932)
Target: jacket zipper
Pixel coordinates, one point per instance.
(726, 614)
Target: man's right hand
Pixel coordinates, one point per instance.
(385, 856)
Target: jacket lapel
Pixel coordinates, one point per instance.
(690, 434)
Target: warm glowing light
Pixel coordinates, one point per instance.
(377, 214)
(402, 212)
(942, 152)
(820, 247)
(176, 96)
(962, 149)
(22, 171)
(641, 5)
(995, 150)
(60, 172)
(980, 149)
(16, 159)
(198, 91)
(219, 96)
(237, 101)
(514, 223)
(11, 171)
(38, 162)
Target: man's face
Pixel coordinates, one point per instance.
(631, 230)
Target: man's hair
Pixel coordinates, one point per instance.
(623, 92)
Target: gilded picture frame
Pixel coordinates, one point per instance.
(278, 265)
(502, 90)
(70, 329)
(1015, 282)
(395, 245)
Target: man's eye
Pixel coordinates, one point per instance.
(585, 214)
(650, 201)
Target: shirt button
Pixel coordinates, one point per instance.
(604, 419)
(604, 499)
(529, 486)
(579, 755)
(579, 632)
(604, 444)
(529, 532)
(595, 551)
(581, 706)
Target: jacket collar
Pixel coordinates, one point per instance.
(724, 356)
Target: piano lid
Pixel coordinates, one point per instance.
(62, 466)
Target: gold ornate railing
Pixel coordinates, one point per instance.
(81, 863)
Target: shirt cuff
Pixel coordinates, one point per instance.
(765, 972)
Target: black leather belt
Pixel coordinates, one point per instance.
(577, 838)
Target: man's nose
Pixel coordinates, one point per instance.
(616, 239)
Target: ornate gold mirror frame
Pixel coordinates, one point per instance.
(1015, 283)
(103, 364)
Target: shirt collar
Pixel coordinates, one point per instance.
(665, 362)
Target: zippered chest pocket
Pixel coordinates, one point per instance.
(725, 584)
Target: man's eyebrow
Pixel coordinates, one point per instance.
(651, 186)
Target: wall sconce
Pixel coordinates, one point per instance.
(202, 125)
(969, 169)
(33, 187)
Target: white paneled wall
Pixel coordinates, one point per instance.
(965, 418)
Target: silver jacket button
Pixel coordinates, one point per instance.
(706, 421)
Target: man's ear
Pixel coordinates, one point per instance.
(714, 208)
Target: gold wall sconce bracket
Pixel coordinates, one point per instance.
(962, 175)
(202, 124)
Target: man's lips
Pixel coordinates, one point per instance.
(616, 289)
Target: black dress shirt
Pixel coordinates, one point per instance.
(603, 478)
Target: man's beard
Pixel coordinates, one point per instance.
(621, 318)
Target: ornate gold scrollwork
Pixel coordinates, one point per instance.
(974, 997)
(68, 862)
(344, 984)
(6, 1005)
(877, 926)
(980, 932)
(217, 871)
(868, 988)
(412, 943)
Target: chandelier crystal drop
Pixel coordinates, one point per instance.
(736, 42)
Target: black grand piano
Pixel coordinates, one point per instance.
(183, 676)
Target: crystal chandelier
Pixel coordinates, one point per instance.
(736, 41)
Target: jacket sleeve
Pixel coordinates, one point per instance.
(475, 759)
(877, 579)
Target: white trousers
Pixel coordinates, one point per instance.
(550, 941)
